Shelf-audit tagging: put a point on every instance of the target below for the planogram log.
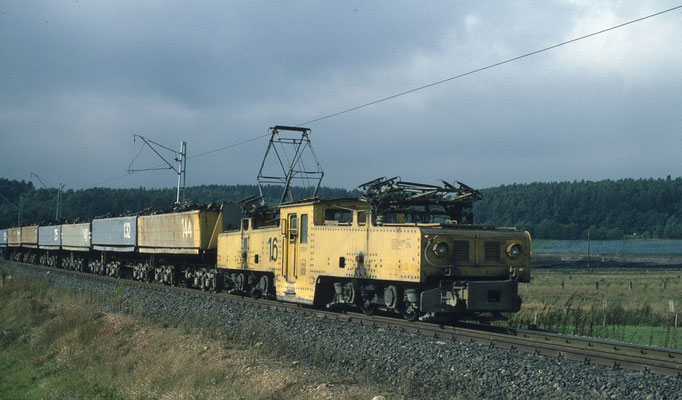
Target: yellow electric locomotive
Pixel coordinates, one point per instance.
(400, 247)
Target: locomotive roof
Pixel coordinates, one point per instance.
(310, 201)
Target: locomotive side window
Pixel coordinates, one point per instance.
(304, 228)
(341, 216)
(362, 218)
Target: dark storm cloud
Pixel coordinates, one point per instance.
(79, 78)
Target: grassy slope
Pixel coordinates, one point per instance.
(54, 344)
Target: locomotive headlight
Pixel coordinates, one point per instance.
(440, 249)
(514, 250)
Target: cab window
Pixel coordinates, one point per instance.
(293, 228)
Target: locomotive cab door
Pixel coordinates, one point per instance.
(292, 248)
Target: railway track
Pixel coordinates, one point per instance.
(607, 353)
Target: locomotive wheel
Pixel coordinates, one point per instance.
(264, 285)
(368, 308)
(349, 293)
(409, 313)
(410, 308)
(240, 282)
(391, 297)
(261, 288)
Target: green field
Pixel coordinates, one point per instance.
(608, 247)
(631, 305)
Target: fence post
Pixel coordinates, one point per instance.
(630, 285)
(596, 285)
(562, 285)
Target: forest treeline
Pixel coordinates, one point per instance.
(40, 205)
(644, 208)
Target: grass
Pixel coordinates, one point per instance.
(58, 344)
(632, 305)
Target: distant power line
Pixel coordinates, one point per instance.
(109, 180)
(432, 84)
(229, 146)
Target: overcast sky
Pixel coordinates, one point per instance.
(80, 78)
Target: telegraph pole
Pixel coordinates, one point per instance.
(21, 210)
(182, 168)
(59, 202)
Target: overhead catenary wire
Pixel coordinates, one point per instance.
(436, 83)
(497, 64)
(458, 76)
(109, 180)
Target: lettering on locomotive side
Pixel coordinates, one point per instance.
(397, 244)
(126, 230)
(272, 248)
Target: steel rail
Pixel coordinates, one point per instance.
(609, 353)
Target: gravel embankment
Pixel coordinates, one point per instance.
(414, 365)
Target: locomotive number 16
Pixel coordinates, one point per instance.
(272, 248)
